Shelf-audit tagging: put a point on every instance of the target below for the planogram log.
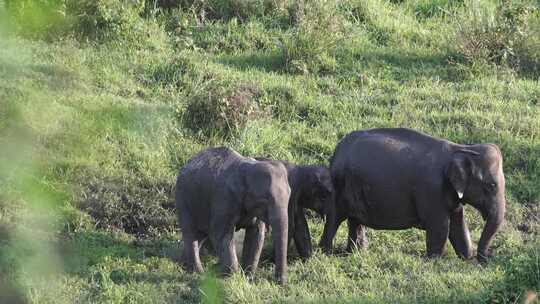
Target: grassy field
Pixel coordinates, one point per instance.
(102, 101)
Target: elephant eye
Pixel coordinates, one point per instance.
(491, 186)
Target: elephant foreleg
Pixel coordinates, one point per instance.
(330, 228)
(357, 235)
(437, 230)
(253, 243)
(302, 238)
(459, 235)
(223, 240)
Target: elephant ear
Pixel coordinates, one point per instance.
(236, 185)
(459, 171)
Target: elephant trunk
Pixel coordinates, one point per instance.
(330, 227)
(494, 219)
(279, 223)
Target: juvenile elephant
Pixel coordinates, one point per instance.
(311, 188)
(400, 178)
(218, 191)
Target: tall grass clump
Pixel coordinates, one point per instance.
(500, 35)
(385, 23)
(117, 22)
(430, 8)
(312, 45)
(220, 108)
(528, 51)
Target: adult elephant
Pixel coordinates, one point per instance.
(401, 178)
(218, 191)
(311, 188)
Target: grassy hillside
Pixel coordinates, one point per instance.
(102, 101)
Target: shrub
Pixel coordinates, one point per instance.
(312, 45)
(106, 18)
(134, 205)
(222, 9)
(221, 109)
(214, 107)
(500, 36)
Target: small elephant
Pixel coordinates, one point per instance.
(400, 178)
(311, 188)
(218, 191)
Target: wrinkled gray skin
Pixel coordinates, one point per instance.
(218, 191)
(400, 178)
(311, 188)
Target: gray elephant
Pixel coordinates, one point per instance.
(218, 191)
(400, 178)
(311, 188)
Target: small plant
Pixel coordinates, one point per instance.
(312, 45)
(221, 109)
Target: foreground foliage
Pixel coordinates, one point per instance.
(100, 108)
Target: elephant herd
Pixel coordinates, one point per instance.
(379, 178)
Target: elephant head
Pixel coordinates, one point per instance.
(318, 190)
(476, 176)
(267, 192)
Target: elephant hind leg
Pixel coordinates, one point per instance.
(190, 255)
(357, 235)
(190, 251)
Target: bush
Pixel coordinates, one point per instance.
(222, 9)
(312, 46)
(500, 36)
(221, 109)
(106, 18)
(214, 107)
(134, 205)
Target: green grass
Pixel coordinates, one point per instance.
(93, 128)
